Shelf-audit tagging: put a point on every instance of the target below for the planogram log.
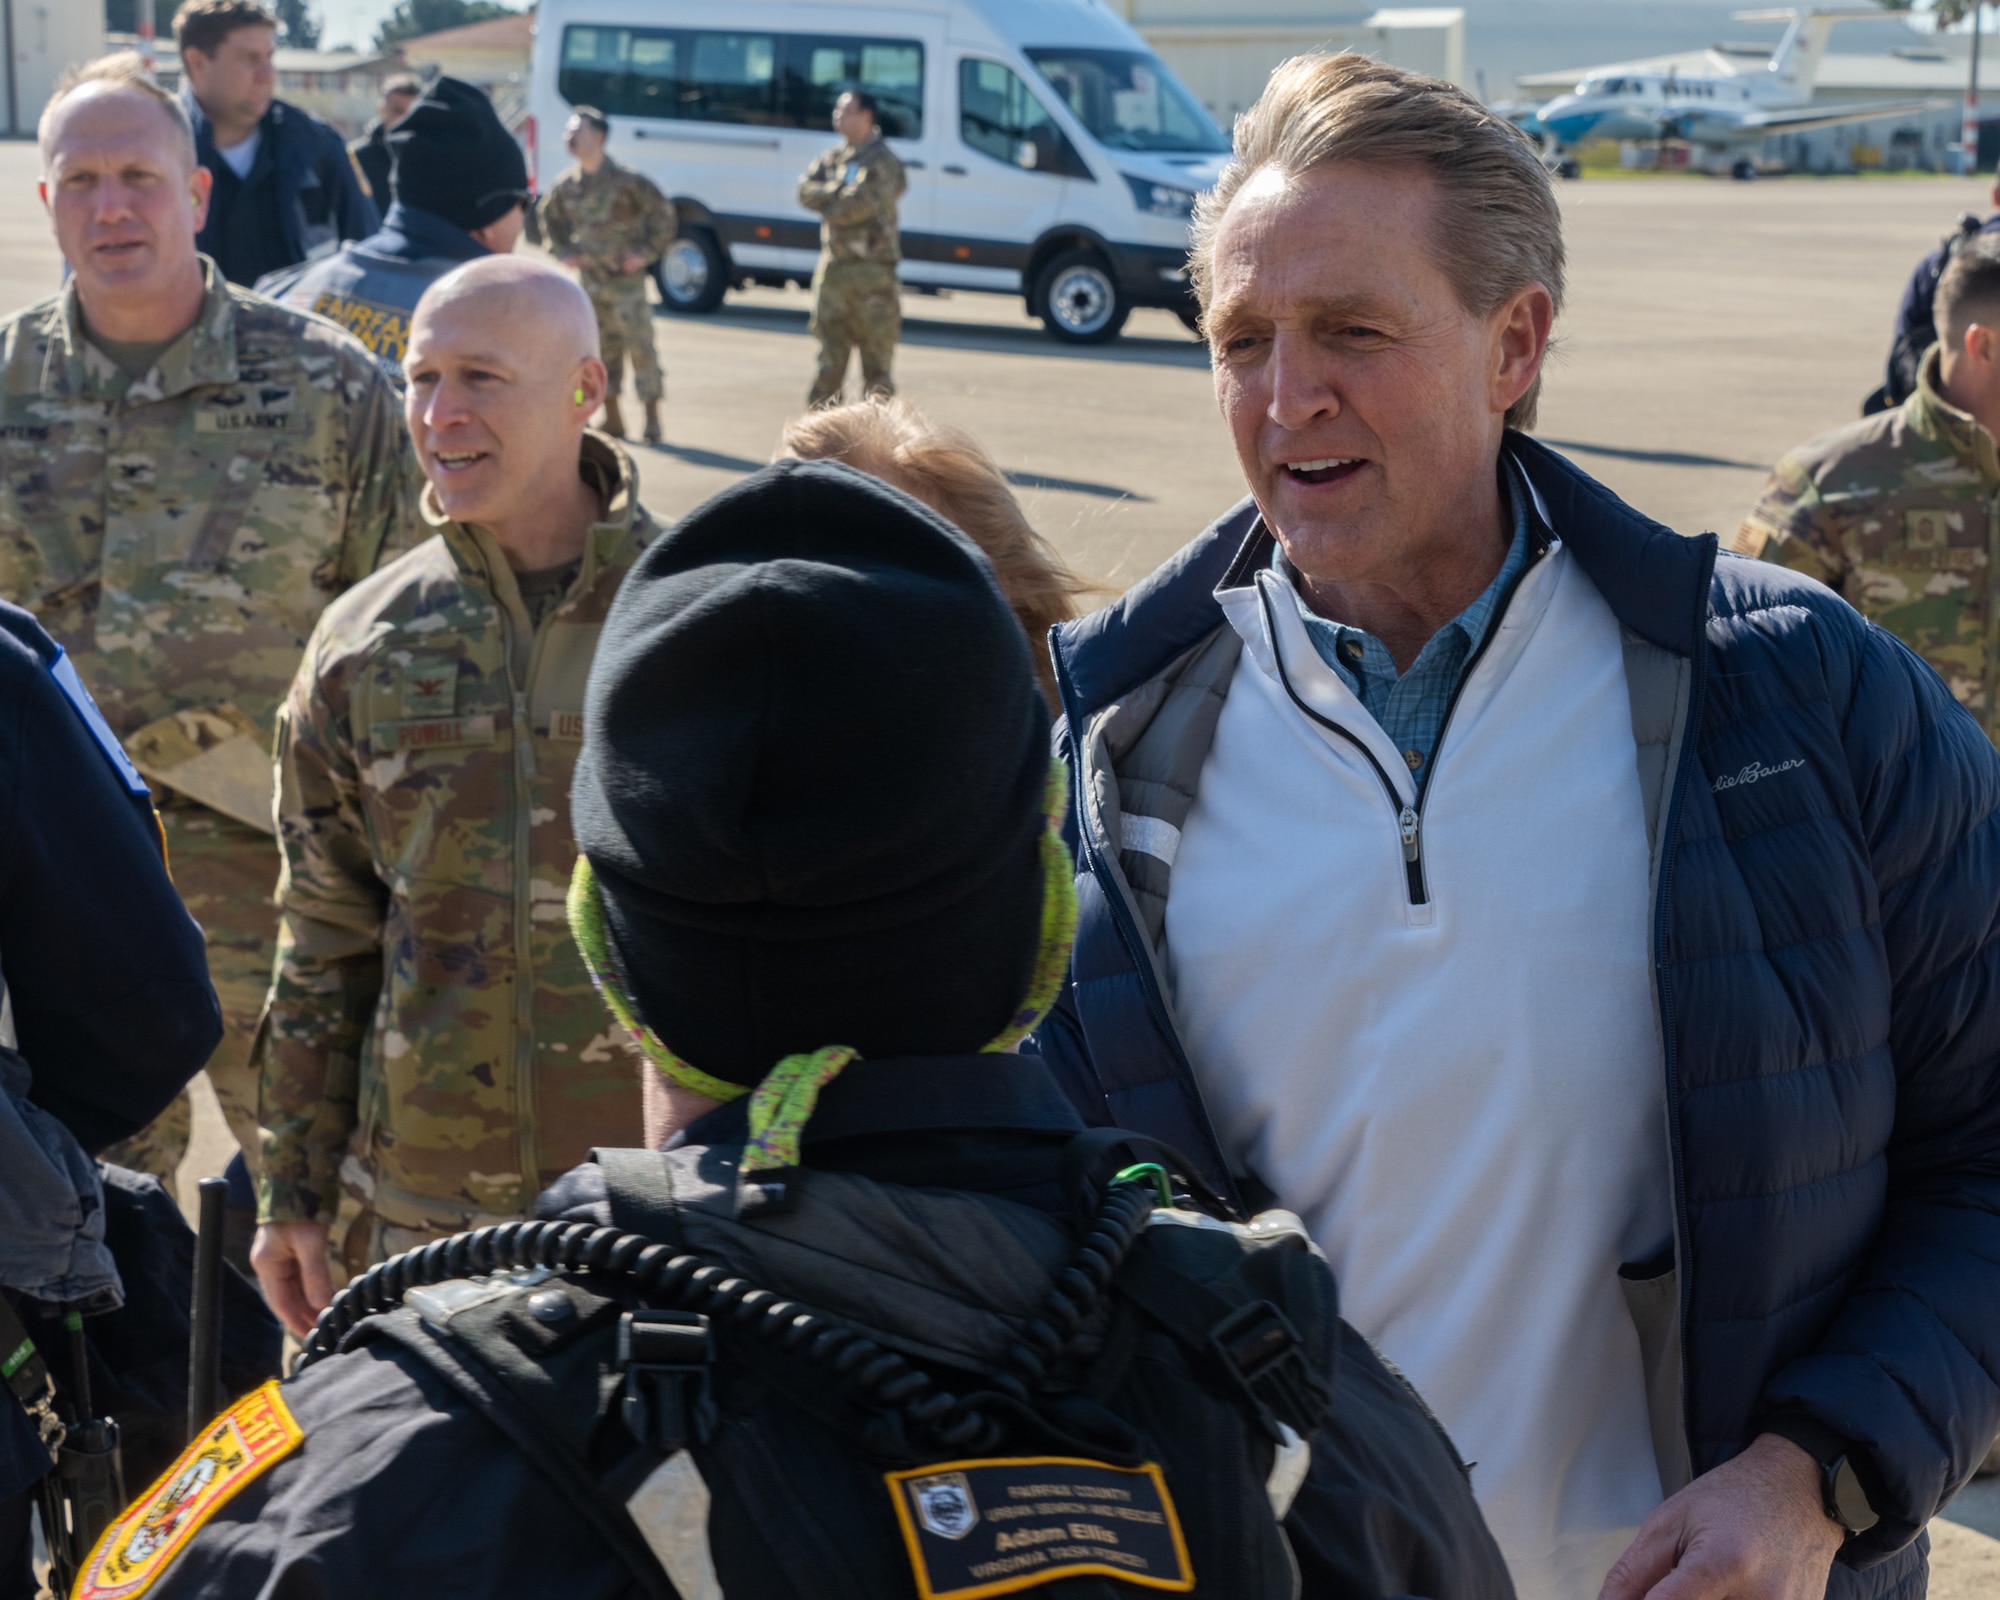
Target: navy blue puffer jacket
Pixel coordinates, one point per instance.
(1829, 994)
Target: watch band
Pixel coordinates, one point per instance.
(1842, 1493)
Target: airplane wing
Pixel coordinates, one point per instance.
(1800, 118)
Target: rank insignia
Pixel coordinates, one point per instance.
(1927, 530)
(978, 1528)
(430, 687)
(238, 1447)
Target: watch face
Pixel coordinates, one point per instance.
(1850, 1501)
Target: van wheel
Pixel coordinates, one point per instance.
(1078, 300)
(692, 274)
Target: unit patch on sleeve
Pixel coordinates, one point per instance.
(976, 1528)
(239, 1445)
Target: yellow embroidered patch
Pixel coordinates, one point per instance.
(239, 1445)
(979, 1528)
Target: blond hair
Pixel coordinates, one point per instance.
(1498, 226)
(950, 473)
(125, 70)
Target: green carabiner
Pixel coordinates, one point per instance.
(1140, 1171)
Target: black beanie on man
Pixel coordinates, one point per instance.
(812, 781)
(454, 158)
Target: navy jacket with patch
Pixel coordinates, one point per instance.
(371, 287)
(1828, 985)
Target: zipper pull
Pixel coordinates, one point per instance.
(1409, 823)
(524, 734)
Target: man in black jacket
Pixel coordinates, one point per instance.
(285, 190)
(105, 992)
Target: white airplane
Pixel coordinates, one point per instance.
(1721, 111)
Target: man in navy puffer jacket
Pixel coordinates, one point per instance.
(1594, 940)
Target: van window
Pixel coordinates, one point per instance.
(999, 116)
(1129, 101)
(769, 80)
(816, 68)
(624, 72)
(732, 77)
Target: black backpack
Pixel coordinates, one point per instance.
(977, 1399)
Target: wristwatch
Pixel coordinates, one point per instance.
(1840, 1489)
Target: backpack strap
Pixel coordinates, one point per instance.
(640, 1187)
(654, 1192)
(1228, 1325)
(547, 1401)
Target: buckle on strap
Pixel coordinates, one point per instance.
(1262, 1353)
(665, 1356)
(24, 1372)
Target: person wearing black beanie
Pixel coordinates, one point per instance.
(458, 190)
(813, 800)
(875, 1315)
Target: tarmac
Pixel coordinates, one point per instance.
(1709, 326)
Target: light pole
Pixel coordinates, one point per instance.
(1968, 129)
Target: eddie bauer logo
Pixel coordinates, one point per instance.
(1756, 772)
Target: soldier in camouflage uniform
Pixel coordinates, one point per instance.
(1900, 512)
(434, 1052)
(190, 475)
(609, 224)
(854, 187)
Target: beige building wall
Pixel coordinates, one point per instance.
(1224, 52)
(44, 39)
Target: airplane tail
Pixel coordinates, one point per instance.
(1795, 63)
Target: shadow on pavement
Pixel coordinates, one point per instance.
(1104, 491)
(694, 457)
(1658, 458)
(936, 333)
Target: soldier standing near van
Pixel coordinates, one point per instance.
(854, 187)
(608, 224)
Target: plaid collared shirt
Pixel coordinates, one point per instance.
(1411, 707)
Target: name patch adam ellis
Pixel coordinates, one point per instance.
(977, 1528)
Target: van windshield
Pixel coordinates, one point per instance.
(1130, 101)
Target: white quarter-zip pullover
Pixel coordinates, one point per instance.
(1459, 1087)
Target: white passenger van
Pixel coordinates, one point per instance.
(1050, 154)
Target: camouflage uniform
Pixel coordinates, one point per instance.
(598, 217)
(1900, 513)
(433, 1045)
(855, 300)
(179, 534)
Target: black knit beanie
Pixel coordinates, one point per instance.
(455, 159)
(812, 782)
